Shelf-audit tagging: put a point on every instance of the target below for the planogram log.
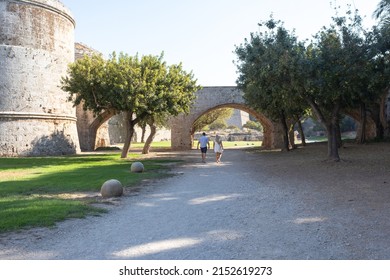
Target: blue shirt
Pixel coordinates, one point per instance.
(203, 140)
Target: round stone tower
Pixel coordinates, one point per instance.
(36, 46)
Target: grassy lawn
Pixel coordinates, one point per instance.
(33, 191)
(159, 145)
(226, 144)
(236, 144)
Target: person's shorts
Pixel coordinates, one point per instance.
(203, 150)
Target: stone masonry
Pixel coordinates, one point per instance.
(211, 98)
(238, 119)
(36, 45)
(85, 119)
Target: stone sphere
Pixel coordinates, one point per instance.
(111, 188)
(137, 167)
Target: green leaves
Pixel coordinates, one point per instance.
(144, 86)
(343, 67)
(266, 70)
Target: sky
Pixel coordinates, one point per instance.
(201, 34)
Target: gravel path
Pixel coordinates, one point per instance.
(247, 207)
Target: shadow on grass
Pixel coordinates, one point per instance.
(23, 212)
(25, 181)
(80, 179)
(32, 162)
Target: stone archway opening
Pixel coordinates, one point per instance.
(211, 98)
(350, 127)
(265, 122)
(370, 126)
(92, 130)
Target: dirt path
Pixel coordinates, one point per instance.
(252, 206)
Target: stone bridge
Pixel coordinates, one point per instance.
(211, 98)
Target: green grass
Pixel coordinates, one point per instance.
(230, 144)
(235, 144)
(32, 189)
(159, 145)
(19, 212)
(227, 144)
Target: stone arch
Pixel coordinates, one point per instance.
(92, 130)
(265, 122)
(371, 127)
(211, 98)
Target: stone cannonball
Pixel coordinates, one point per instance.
(111, 188)
(137, 167)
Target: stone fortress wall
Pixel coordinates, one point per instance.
(36, 45)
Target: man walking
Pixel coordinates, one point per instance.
(204, 144)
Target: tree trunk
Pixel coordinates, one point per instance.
(92, 138)
(291, 137)
(285, 132)
(93, 128)
(143, 127)
(333, 150)
(363, 123)
(129, 126)
(338, 134)
(148, 143)
(300, 129)
(384, 119)
(333, 131)
(375, 114)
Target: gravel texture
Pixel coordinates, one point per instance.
(253, 205)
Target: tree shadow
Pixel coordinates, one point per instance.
(57, 144)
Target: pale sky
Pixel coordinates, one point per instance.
(202, 34)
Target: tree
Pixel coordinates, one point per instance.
(141, 87)
(381, 43)
(337, 72)
(255, 125)
(265, 71)
(154, 121)
(332, 70)
(218, 125)
(210, 117)
(344, 67)
(382, 12)
(142, 124)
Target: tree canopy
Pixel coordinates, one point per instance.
(343, 67)
(382, 12)
(220, 114)
(142, 87)
(265, 64)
